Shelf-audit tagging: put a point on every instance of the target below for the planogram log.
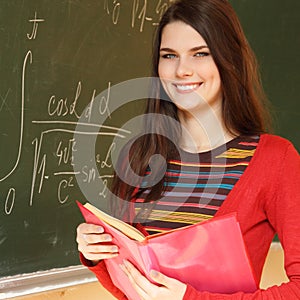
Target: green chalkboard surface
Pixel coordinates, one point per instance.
(56, 56)
(272, 28)
(59, 55)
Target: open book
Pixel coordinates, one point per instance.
(210, 255)
(126, 228)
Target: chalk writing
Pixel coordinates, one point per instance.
(10, 201)
(106, 163)
(161, 7)
(64, 157)
(141, 12)
(104, 191)
(104, 101)
(28, 56)
(89, 174)
(35, 22)
(113, 7)
(64, 184)
(62, 107)
(53, 143)
(65, 154)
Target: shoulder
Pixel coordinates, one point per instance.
(275, 161)
(275, 144)
(278, 140)
(273, 150)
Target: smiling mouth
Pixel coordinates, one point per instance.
(187, 87)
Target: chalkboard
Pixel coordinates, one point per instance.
(56, 56)
(59, 55)
(272, 28)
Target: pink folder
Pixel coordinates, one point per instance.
(210, 255)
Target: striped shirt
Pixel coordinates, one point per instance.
(196, 185)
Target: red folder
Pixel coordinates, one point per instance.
(210, 256)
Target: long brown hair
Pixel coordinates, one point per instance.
(244, 103)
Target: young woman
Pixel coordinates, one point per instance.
(219, 158)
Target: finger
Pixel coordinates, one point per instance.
(96, 238)
(143, 295)
(86, 247)
(97, 252)
(102, 248)
(140, 283)
(85, 228)
(96, 257)
(162, 279)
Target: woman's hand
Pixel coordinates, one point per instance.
(94, 243)
(169, 288)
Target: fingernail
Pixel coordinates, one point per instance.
(154, 274)
(126, 263)
(108, 238)
(114, 249)
(124, 269)
(100, 229)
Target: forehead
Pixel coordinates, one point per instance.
(180, 35)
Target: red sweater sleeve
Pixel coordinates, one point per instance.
(283, 213)
(103, 277)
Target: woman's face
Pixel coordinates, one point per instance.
(187, 70)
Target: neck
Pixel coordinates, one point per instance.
(200, 134)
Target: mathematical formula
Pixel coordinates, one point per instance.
(54, 165)
(141, 13)
(53, 148)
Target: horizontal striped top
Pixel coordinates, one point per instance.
(196, 185)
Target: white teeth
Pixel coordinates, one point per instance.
(186, 87)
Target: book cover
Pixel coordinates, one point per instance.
(210, 255)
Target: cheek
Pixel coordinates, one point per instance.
(160, 71)
(215, 72)
(165, 81)
(207, 68)
(213, 77)
(164, 76)
(164, 70)
(166, 88)
(217, 78)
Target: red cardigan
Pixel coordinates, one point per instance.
(267, 201)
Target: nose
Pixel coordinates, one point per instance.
(184, 68)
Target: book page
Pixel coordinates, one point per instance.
(127, 229)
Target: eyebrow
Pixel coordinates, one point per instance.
(192, 50)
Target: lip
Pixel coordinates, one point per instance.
(187, 87)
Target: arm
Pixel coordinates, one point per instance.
(283, 213)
